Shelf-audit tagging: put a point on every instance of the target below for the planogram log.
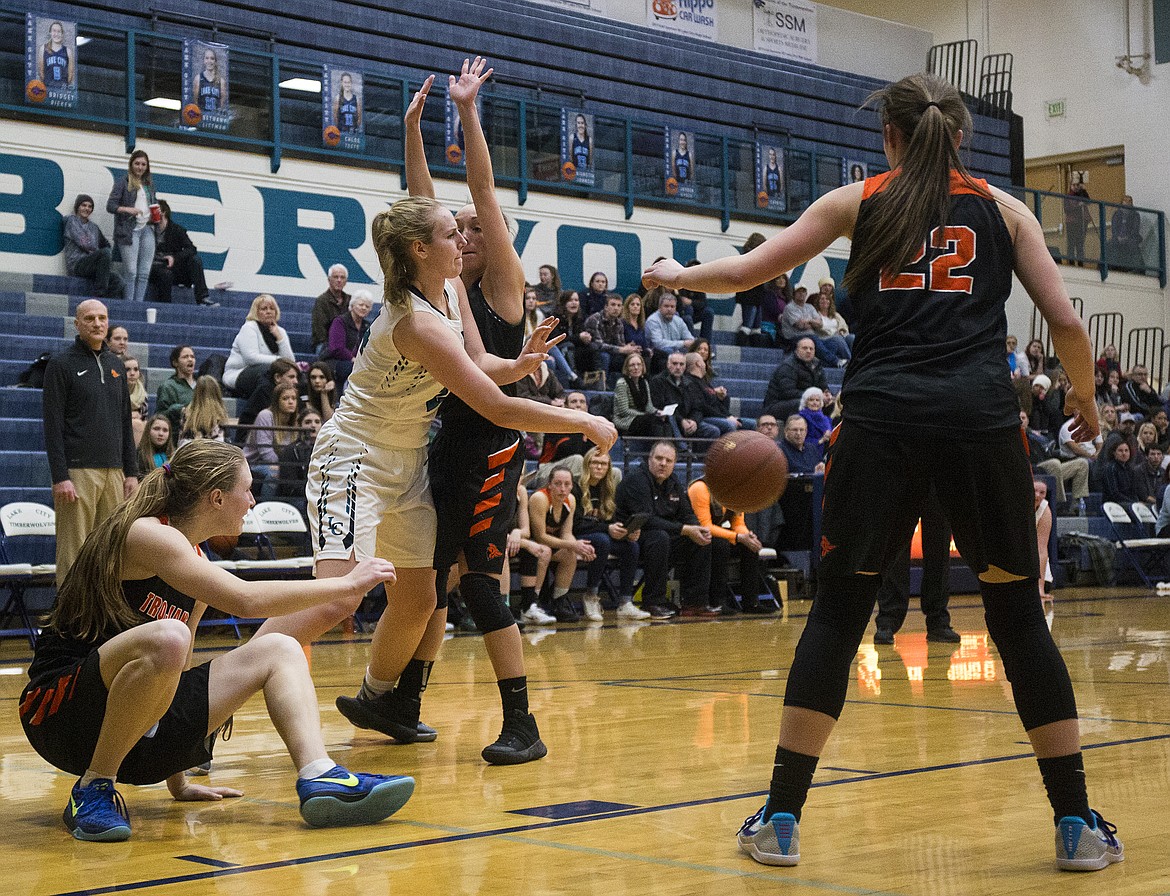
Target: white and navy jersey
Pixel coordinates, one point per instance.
(929, 353)
(390, 401)
(56, 67)
(347, 113)
(580, 152)
(682, 166)
(209, 94)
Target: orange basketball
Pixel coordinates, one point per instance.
(569, 171)
(762, 199)
(454, 154)
(192, 114)
(745, 471)
(671, 187)
(36, 91)
(332, 136)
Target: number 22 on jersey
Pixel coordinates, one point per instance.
(958, 245)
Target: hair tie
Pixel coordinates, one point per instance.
(932, 103)
(166, 468)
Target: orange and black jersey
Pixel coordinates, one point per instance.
(929, 354)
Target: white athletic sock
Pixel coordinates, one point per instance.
(374, 687)
(316, 769)
(558, 593)
(90, 776)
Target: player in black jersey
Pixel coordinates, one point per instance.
(347, 108)
(929, 274)
(54, 66)
(581, 151)
(111, 691)
(681, 162)
(210, 86)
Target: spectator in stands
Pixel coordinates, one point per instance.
(671, 535)
(273, 430)
(670, 388)
(156, 445)
(1043, 533)
(533, 315)
(1120, 478)
(1140, 397)
(1162, 424)
(1069, 448)
(134, 232)
(177, 390)
(634, 411)
(792, 376)
(1125, 239)
(768, 425)
(634, 322)
(280, 372)
(1147, 438)
(832, 323)
(205, 417)
(88, 253)
(322, 395)
(1043, 417)
(730, 537)
(702, 347)
(1034, 355)
(715, 410)
(571, 322)
(294, 457)
(595, 296)
(550, 514)
(176, 260)
(260, 341)
(138, 397)
(119, 341)
(560, 445)
(548, 290)
(534, 560)
(1126, 431)
(1108, 360)
(88, 436)
(1044, 455)
(346, 334)
(541, 385)
(695, 310)
(596, 521)
(750, 300)
(1151, 478)
(331, 303)
(801, 320)
(802, 457)
(665, 330)
(1017, 363)
(1112, 393)
(608, 338)
(820, 427)
(1078, 217)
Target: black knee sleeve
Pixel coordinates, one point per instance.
(819, 677)
(441, 576)
(481, 594)
(1041, 686)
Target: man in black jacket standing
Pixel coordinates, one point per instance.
(88, 438)
(671, 535)
(177, 261)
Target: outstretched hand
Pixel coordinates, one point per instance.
(193, 793)
(539, 342)
(661, 273)
(415, 110)
(1085, 424)
(464, 89)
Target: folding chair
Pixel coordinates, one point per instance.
(276, 518)
(18, 571)
(1143, 552)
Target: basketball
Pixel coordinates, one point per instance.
(569, 171)
(746, 471)
(671, 187)
(454, 154)
(762, 199)
(332, 135)
(223, 545)
(192, 114)
(36, 91)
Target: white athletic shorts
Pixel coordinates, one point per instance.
(365, 501)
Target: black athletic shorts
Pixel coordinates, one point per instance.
(876, 484)
(63, 721)
(473, 484)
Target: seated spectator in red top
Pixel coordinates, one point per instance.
(346, 334)
(1108, 360)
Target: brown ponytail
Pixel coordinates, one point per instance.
(929, 113)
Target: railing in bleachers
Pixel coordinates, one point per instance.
(132, 66)
(1105, 328)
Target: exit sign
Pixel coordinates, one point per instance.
(1056, 109)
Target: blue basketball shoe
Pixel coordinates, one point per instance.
(340, 797)
(771, 838)
(1080, 847)
(97, 812)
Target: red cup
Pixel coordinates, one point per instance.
(156, 213)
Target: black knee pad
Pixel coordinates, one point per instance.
(481, 594)
(441, 576)
(819, 677)
(1041, 686)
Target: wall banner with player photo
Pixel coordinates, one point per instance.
(342, 121)
(693, 18)
(679, 156)
(50, 62)
(771, 187)
(577, 147)
(786, 28)
(205, 86)
(853, 171)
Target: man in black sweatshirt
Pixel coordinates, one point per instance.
(671, 534)
(88, 438)
(176, 260)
